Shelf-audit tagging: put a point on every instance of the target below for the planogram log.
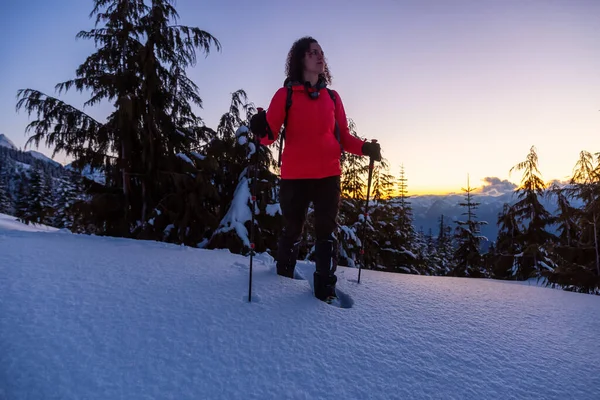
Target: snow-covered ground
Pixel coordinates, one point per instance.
(85, 317)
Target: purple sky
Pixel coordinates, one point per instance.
(448, 87)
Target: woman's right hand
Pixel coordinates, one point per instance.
(258, 124)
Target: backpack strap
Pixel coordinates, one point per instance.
(288, 104)
(337, 126)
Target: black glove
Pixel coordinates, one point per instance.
(372, 149)
(258, 124)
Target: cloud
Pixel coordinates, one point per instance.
(494, 186)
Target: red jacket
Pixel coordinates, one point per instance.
(311, 149)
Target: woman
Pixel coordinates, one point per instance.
(310, 163)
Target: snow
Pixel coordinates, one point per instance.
(239, 212)
(411, 254)
(403, 251)
(168, 229)
(96, 175)
(9, 223)
(23, 166)
(6, 142)
(185, 158)
(242, 130)
(87, 317)
(350, 234)
(273, 209)
(198, 155)
(543, 264)
(43, 157)
(252, 148)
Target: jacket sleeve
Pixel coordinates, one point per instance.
(275, 115)
(350, 143)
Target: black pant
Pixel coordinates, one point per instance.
(295, 195)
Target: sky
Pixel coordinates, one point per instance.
(449, 88)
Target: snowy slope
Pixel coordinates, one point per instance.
(6, 142)
(9, 223)
(43, 157)
(87, 317)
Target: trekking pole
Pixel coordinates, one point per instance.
(253, 203)
(366, 215)
(256, 141)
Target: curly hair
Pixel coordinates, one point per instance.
(294, 67)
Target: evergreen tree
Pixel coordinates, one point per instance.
(68, 192)
(419, 250)
(140, 63)
(21, 204)
(5, 198)
(404, 212)
(35, 205)
(382, 182)
(468, 259)
(403, 188)
(388, 230)
(505, 264)
(586, 180)
(354, 168)
(241, 160)
(567, 217)
(578, 257)
(444, 258)
(431, 256)
(533, 219)
(353, 228)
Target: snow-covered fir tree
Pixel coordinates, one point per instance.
(140, 67)
(587, 184)
(68, 191)
(34, 203)
(246, 183)
(431, 256)
(507, 244)
(566, 217)
(404, 212)
(353, 168)
(419, 249)
(404, 224)
(353, 228)
(467, 256)
(444, 255)
(382, 185)
(21, 198)
(6, 204)
(385, 235)
(533, 219)
(577, 256)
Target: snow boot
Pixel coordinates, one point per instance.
(286, 258)
(324, 276)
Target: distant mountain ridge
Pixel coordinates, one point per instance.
(30, 157)
(6, 142)
(43, 157)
